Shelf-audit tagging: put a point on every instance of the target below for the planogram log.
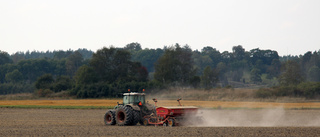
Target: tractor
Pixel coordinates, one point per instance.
(135, 109)
(130, 112)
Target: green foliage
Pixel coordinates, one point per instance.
(73, 62)
(13, 88)
(209, 78)
(147, 57)
(121, 68)
(238, 52)
(85, 75)
(44, 82)
(134, 46)
(201, 61)
(14, 76)
(175, 66)
(304, 89)
(309, 89)
(62, 83)
(292, 74)
(195, 81)
(4, 58)
(255, 75)
(314, 73)
(114, 65)
(213, 54)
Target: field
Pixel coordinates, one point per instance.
(109, 103)
(227, 118)
(89, 122)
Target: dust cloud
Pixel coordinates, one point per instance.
(278, 117)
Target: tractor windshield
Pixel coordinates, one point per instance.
(141, 98)
(135, 99)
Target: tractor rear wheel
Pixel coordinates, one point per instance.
(171, 122)
(124, 116)
(109, 117)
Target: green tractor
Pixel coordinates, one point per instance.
(131, 112)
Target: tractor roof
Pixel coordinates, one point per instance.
(134, 94)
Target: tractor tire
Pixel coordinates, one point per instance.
(109, 117)
(136, 117)
(141, 121)
(124, 116)
(171, 122)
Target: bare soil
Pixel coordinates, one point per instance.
(89, 122)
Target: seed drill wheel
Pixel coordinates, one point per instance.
(109, 117)
(124, 116)
(171, 122)
(145, 122)
(164, 124)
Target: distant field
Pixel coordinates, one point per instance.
(108, 103)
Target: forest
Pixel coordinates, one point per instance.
(110, 71)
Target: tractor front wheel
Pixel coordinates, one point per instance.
(109, 118)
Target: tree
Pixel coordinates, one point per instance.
(14, 76)
(274, 69)
(147, 57)
(73, 62)
(255, 76)
(44, 82)
(314, 74)
(4, 58)
(201, 61)
(292, 74)
(209, 77)
(62, 83)
(175, 65)
(238, 52)
(134, 46)
(213, 53)
(85, 75)
(195, 81)
(103, 62)
(115, 65)
(17, 57)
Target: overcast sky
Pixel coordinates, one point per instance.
(287, 26)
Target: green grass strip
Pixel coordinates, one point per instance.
(56, 107)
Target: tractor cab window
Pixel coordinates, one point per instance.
(131, 99)
(125, 100)
(141, 98)
(136, 99)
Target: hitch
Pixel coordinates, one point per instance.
(155, 102)
(179, 101)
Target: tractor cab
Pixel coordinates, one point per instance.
(134, 98)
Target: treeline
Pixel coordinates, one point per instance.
(110, 71)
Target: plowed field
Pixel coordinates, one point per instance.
(205, 104)
(89, 122)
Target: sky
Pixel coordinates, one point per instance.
(287, 26)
